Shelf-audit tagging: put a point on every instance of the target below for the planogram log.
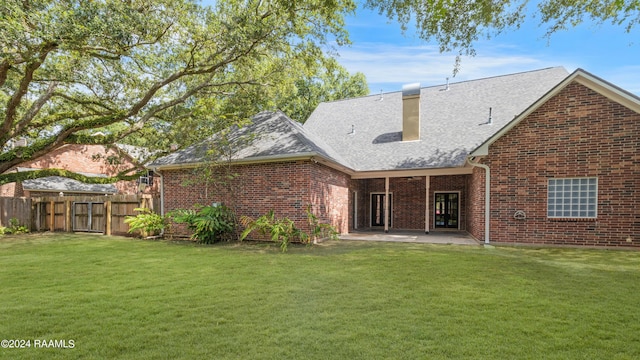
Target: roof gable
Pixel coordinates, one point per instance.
(580, 76)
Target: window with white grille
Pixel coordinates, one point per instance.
(572, 198)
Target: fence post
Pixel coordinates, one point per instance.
(52, 211)
(35, 209)
(107, 204)
(68, 227)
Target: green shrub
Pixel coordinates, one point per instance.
(209, 224)
(320, 230)
(282, 231)
(147, 222)
(14, 228)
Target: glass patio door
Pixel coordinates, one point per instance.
(447, 210)
(377, 209)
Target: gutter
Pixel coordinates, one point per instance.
(161, 199)
(251, 160)
(313, 156)
(487, 196)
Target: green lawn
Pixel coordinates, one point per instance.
(133, 299)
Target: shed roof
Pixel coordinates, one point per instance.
(62, 184)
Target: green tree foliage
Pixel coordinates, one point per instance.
(330, 82)
(150, 72)
(457, 25)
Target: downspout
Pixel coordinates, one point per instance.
(487, 196)
(161, 199)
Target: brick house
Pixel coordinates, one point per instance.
(89, 160)
(540, 157)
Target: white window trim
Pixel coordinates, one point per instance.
(572, 216)
(145, 179)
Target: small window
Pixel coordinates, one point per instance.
(147, 179)
(572, 198)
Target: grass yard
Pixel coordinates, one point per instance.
(132, 299)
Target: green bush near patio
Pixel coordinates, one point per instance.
(138, 299)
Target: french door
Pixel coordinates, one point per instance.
(377, 209)
(447, 210)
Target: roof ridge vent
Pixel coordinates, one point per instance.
(446, 87)
(490, 120)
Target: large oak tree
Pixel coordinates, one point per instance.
(151, 72)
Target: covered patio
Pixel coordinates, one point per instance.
(434, 237)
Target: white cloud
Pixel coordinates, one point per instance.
(391, 64)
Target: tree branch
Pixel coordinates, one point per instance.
(14, 101)
(33, 111)
(4, 70)
(36, 174)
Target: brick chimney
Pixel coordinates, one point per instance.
(411, 112)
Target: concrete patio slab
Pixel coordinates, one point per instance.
(434, 237)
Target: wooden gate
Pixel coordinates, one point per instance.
(89, 216)
(99, 214)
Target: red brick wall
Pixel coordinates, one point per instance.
(408, 202)
(331, 197)
(577, 133)
(285, 187)
(11, 190)
(475, 208)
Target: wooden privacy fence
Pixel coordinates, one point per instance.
(15, 208)
(99, 214)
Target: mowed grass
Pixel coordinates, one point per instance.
(132, 299)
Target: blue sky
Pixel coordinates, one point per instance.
(390, 59)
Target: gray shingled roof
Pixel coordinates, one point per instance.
(269, 135)
(62, 184)
(137, 153)
(450, 121)
(365, 134)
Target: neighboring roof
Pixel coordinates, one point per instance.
(593, 82)
(269, 136)
(450, 121)
(137, 153)
(62, 184)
